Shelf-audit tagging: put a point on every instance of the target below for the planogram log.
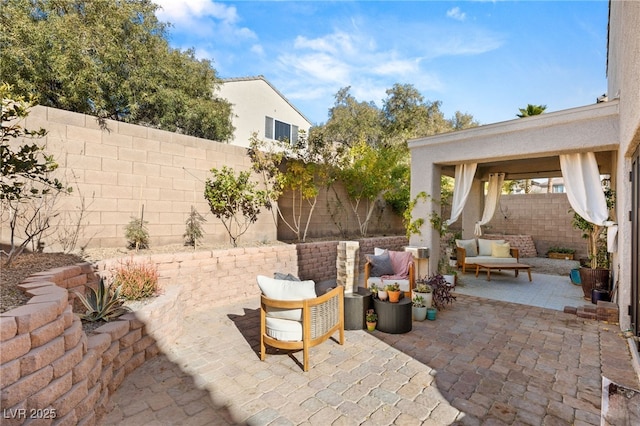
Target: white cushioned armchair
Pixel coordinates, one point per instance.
(387, 267)
(292, 317)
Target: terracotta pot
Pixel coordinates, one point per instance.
(371, 326)
(394, 296)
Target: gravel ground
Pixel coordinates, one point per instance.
(30, 263)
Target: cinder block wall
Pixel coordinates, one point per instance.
(333, 216)
(122, 169)
(545, 217)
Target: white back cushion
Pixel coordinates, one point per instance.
(286, 290)
(470, 247)
(484, 246)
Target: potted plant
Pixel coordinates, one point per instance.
(371, 319)
(374, 290)
(441, 290)
(393, 290)
(419, 310)
(595, 276)
(426, 292)
(382, 293)
(560, 253)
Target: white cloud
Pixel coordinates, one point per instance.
(186, 11)
(457, 14)
(200, 20)
(396, 67)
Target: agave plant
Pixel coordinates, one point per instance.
(103, 303)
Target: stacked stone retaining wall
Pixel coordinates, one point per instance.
(52, 372)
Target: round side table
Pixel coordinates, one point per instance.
(393, 318)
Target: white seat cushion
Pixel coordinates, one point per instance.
(285, 330)
(489, 259)
(380, 283)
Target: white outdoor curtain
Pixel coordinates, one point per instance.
(490, 201)
(464, 180)
(584, 190)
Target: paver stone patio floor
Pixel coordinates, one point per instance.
(482, 361)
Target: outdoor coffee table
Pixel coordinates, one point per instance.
(393, 318)
(498, 266)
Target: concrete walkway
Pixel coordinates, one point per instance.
(481, 362)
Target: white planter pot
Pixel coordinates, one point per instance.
(450, 279)
(419, 314)
(426, 297)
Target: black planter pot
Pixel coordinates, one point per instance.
(593, 279)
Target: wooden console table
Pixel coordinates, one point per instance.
(498, 266)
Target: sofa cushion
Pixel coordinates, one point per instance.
(484, 246)
(286, 290)
(380, 265)
(470, 247)
(381, 282)
(489, 259)
(285, 330)
(501, 250)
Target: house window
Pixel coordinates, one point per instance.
(282, 131)
(558, 188)
(268, 128)
(279, 130)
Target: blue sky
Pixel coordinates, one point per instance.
(485, 58)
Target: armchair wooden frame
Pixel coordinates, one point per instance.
(412, 277)
(321, 318)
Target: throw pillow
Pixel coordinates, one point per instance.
(500, 250)
(484, 246)
(380, 265)
(283, 276)
(470, 247)
(401, 260)
(286, 290)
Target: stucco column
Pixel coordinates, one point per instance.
(428, 180)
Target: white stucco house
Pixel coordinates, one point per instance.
(259, 107)
(531, 148)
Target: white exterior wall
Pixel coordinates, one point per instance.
(254, 99)
(623, 83)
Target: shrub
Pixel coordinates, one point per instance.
(103, 303)
(441, 290)
(193, 232)
(136, 234)
(138, 280)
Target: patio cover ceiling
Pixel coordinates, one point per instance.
(526, 148)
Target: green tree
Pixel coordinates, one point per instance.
(407, 115)
(351, 122)
(27, 189)
(368, 176)
(234, 200)
(110, 59)
(302, 169)
(531, 110)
